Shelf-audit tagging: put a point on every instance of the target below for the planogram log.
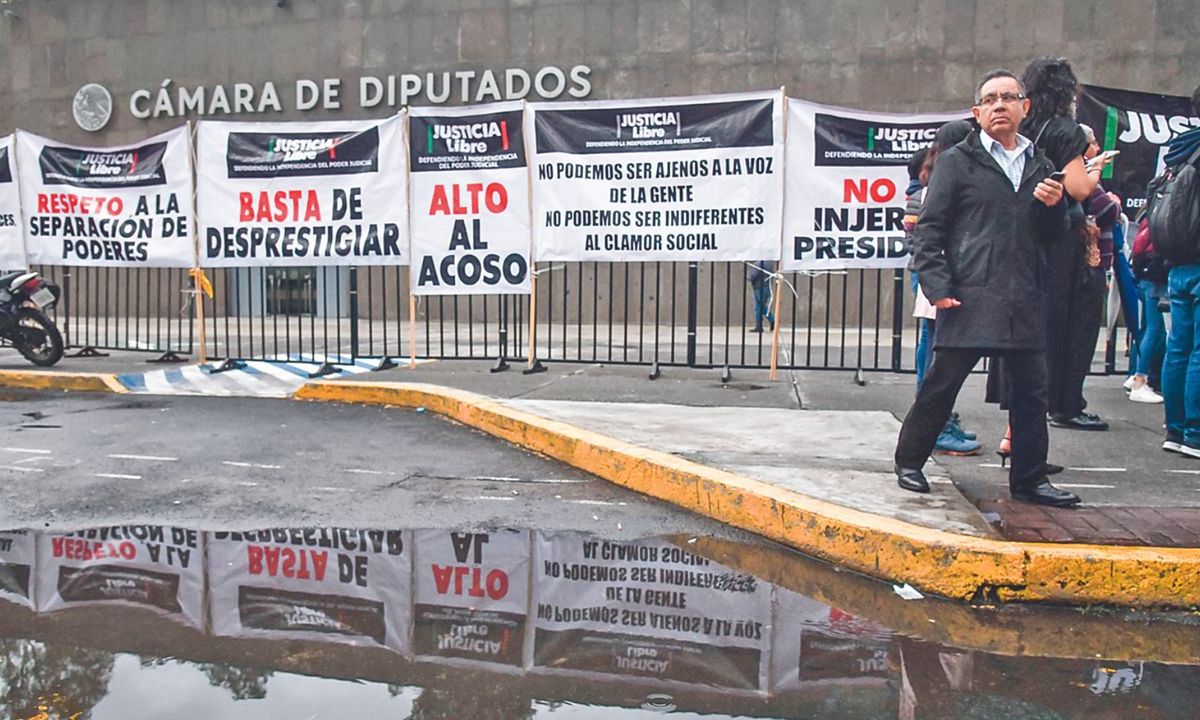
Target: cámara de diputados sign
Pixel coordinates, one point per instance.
(370, 91)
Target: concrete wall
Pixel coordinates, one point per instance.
(895, 55)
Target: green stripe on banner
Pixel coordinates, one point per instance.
(1111, 125)
(870, 139)
(429, 139)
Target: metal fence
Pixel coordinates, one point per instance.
(652, 314)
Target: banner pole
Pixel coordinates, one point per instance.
(406, 140)
(774, 375)
(197, 292)
(526, 126)
(775, 328)
(532, 317)
(412, 326)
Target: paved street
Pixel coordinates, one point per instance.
(72, 460)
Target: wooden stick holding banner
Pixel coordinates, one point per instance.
(779, 268)
(530, 135)
(200, 282)
(775, 326)
(412, 325)
(412, 296)
(532, 317)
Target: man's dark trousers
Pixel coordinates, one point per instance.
(1026, 411)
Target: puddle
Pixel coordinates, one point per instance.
(152, 621)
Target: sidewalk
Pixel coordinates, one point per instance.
(819, 478)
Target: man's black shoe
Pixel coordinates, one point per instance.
(912, 479)
(1046, 494)
(1083, 421)
(1051, 469)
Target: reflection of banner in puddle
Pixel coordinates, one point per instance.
(331, 584)
(472, 595)
(813, 641)
(647, 609)
(16, 566)
(148, 566)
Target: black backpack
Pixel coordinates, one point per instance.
(1173, 208)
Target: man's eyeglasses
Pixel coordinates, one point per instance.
(1007, 98)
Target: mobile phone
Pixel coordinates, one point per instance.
(1058, 175)
(1106, 155)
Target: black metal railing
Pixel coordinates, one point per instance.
(651, 313)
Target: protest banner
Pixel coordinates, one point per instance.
(127, 206)
(1139, 125)
(12, 242)
(816, 642)
(472, 595)
(17, 553)
(697, 178)
(647, 609)
(846, 175)
(301, 193)
(149, 566)
(470, 200)
(329, 584)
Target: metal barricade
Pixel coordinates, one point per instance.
(142, 309)
(649, 313)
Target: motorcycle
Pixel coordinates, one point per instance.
(25, 297)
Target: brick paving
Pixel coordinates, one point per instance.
(1101, 525)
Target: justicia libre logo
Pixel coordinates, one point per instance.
(136, 167)
(287, 149)
(893, 139)
(471, 139)
(649, 124)
(107, 163)
(266, 155)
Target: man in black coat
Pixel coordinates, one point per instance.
(990, 207)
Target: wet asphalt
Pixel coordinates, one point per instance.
(71, 460)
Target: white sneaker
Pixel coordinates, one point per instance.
(1128, 384)
(1145, 394)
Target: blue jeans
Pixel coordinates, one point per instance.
(1181, 370)
(923, 338)
(1153, 340)
(762, 303)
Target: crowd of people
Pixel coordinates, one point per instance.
(1013, 237)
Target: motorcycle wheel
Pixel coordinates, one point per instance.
(36, 337)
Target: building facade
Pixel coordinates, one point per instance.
(149, 65)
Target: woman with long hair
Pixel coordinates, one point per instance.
(1076, 298)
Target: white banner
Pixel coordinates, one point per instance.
(696, 178)
(17, 553)
(648, 609)
(127, 206)
(149, 566)
(302, 193)
(12, 243)
(847, 172)
(472, 595)
(470, 200)
(329, 584)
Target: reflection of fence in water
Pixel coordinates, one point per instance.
(686, 314)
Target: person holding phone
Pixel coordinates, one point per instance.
(990, 207)
(1075, 306)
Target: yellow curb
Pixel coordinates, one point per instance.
(51, 380)
(1061, 633)
(942, 563)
